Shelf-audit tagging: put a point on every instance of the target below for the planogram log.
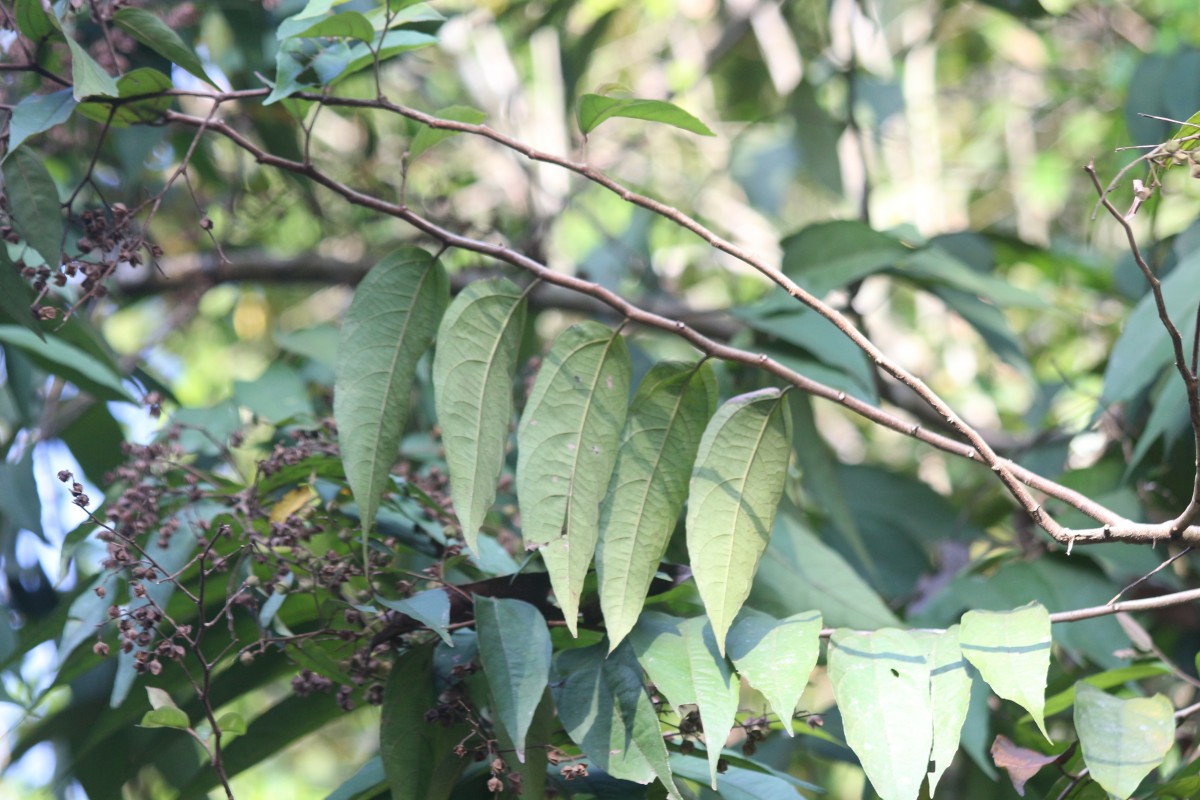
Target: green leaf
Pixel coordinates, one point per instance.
(168, 717)
(734, 493)
(543, 731)
(1190, 127)
(799, 572)
(829, 255)
(603, 705)
(390, 324)
(418, 757)
(347, 24)
(231, 724)
(950, 692)
(478, 347)
(393, 43)
(142, 81)
(427, 137)
(34, 21)
(362, 785)
(39, 112)
(649, 485)
(162, 39)
(1123, 741)
(514, 649)
(776, 656)
(567, 446)
(881, 684)
(595, 108)
(683, 661)
(67, 361)
(430, 607)
(34, 205)
(16, 297)
(738, 783)
(1011, 650)
(89, 78)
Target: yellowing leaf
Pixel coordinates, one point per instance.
(293, 502)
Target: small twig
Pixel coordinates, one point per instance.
(1152, 572)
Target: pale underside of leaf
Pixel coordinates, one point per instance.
(515, 651)
(649, 486)
(1123, 741)
(776, 656)
(1011, 650)
(950, 693)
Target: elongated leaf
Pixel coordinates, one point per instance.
(34, 21)
(348, 24)
(827, 255)
(734, 494)
(603, 705)
(682, 659)
(16, 298)
(151, 31)
(89, 78)
(418, 756)
(478, 345)
(739, 783)
(776, 656)
(392, 43)
(595, 108)
(430, 607)
(391, 323)
(59, 358)
(34, 205)
(950, 692)
(39, 112)
(364, 784)
(514, 648)
(1122, 740)
(1011, 650)
(542, 732)
(649, 484)
(142, 81)
(881, 684)
(567, 445)
(428, 137)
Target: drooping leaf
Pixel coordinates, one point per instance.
(881, 684)
(34, 20)
(34, 205)
(542, 732)
(430, 607)
(567, 446)
(418, 757)
(389, 326)
(1122, 740)
(427, 137)
(151, 31)
(603, 705)
(39, 112)
(950, 695)
(477, 349)
(596, 108)
(649, 485)
(514, 649)
(683, 661)
(59, 358)
(734, 493)
(1011, 650)
(348, 24)
(739, 782)
(776, 656)
(141, 81)
(89, 78)
(366, 783)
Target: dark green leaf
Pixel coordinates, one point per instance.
(39, 112)
(59, 358)
(278, 394)
(829, 255)
(161, 38)
(34, 204)
(391, 323)
(365, 783)
(89, 78)
(34, 21)
(595, 108)
(16, 297)
(348, 24)
(514, 650)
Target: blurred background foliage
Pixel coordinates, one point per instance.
(932, 147)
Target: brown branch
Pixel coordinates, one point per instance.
(1146, 604)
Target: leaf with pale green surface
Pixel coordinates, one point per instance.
(16, 297)
(36, 113)
(67, 361)
(1011, 650)
(515, 651)
(776, 656)
(683, 661)
(734, 493)
(141, 81)
(33, 202)
(649, 485)
(603, 705)
(151, 31)
(950, 693)
(89, 78)
(430, 607)
(390, 324)
(881, 684)
(347, 24)
(567, 446)
(1123, 741)
(596, 108)
(478, 345)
